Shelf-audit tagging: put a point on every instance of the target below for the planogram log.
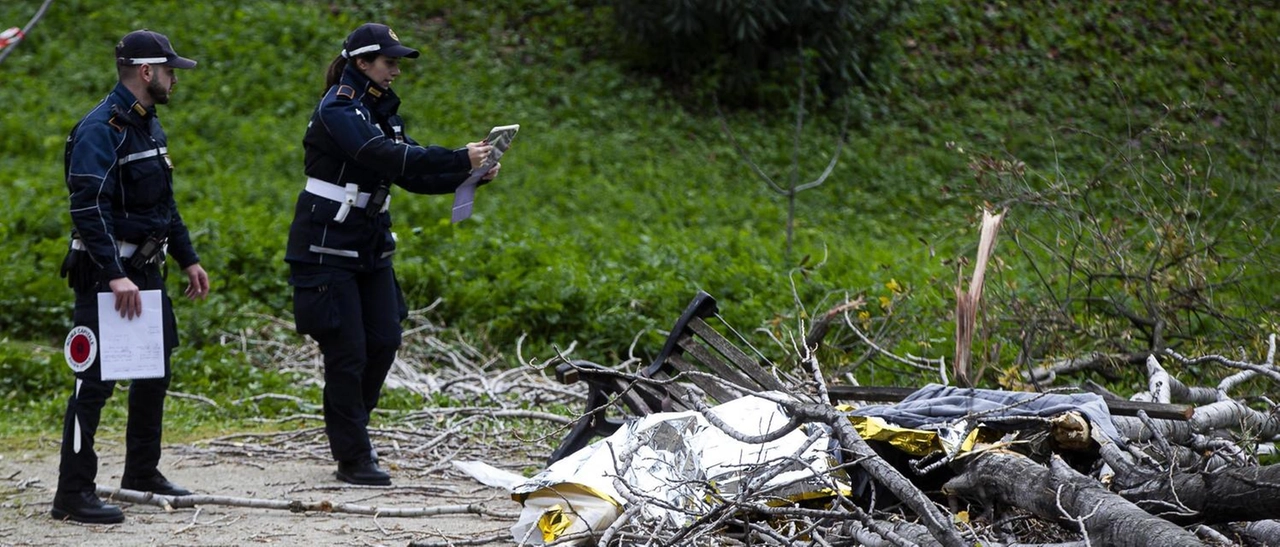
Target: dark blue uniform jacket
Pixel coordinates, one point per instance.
(355, 136)
(121, 182)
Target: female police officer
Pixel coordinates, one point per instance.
(340, 243)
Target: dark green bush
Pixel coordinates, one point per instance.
(748, 52)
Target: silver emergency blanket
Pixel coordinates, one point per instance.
(676, 466)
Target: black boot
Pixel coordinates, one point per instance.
(363, 471)
(155, 483)
(84, 506)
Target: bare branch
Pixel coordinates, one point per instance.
(293, 506)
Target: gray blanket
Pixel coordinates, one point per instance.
(937, 404)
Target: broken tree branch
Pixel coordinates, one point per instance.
(967, 302)
(170, 503)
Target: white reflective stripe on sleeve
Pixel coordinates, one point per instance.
(335, 252)
(144, 155)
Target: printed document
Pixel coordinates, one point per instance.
(131, 348)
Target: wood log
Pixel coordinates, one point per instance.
(1263, 533)
(1060, 494)
(1222, 415)
(910, 533)
(889, 394)
(1231, 495)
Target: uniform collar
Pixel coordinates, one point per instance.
(129, 103)
(375, 96)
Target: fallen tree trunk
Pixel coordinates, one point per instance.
(1259, 534)
(1221, 415)
(1060, 494)
(891, 394)
(910, 533)
(1231, 495)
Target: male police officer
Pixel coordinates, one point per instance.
(124, 218)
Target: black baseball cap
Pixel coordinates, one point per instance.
(147, 47)
(375, 38)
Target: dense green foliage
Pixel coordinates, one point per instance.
(752, 52)
(619, 201)
(1135, 145)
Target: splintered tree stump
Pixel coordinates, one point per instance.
(1058, 493)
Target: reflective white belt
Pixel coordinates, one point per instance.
(349, 196)
(329, 190)
(126, 249)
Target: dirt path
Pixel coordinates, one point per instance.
(28, 478)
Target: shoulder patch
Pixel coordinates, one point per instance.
(346, 91)
(115, 123)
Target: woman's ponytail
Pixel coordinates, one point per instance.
(334, 74)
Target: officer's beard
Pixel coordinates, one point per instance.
(158, 93)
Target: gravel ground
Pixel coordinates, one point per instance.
(29, 478)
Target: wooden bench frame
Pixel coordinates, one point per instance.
(696, 353)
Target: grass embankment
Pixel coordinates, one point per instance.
(618, 202)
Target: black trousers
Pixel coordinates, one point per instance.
(78, 469)
(355, 317)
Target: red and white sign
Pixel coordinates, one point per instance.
(81, 348)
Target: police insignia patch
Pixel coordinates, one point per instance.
(81, 348)
(393, 35)
(346, 91)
